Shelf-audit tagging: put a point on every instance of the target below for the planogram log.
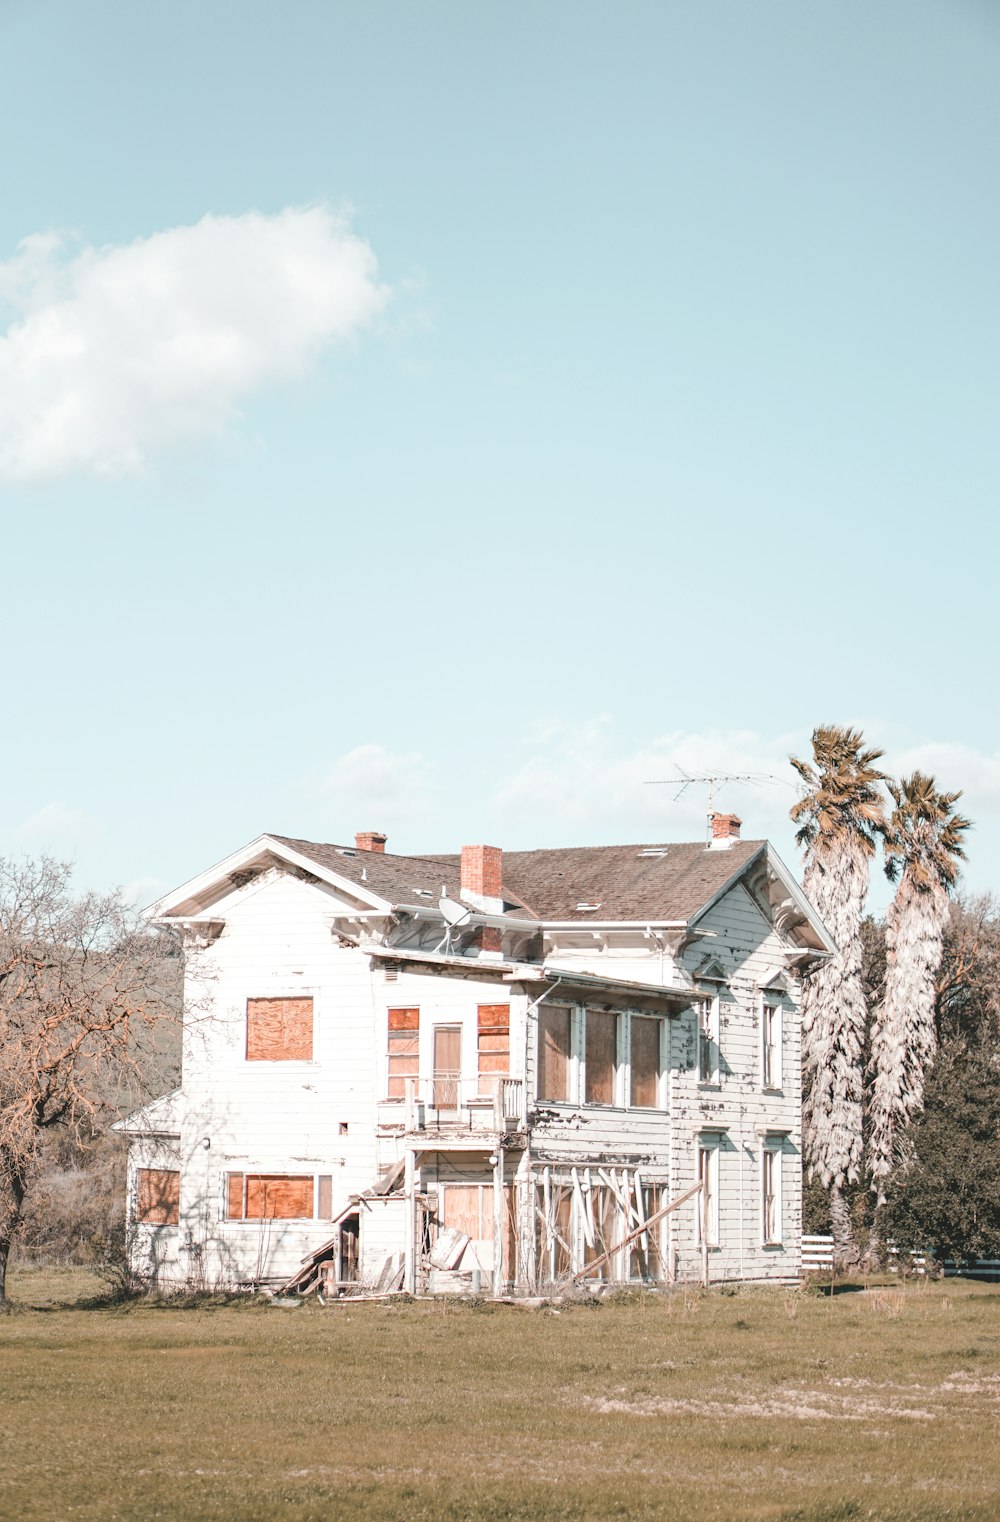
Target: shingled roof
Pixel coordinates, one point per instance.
(652, 882)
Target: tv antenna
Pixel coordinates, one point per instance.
(714, 781)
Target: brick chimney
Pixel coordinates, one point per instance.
(482, 877)
(482, 885)
(370, 840)
(725, 829)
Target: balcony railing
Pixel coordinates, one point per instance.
(490, 1102)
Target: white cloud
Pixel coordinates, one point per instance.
(583, 784)
(581, 777)
(115, 352)
(55, 825)
(379, 787)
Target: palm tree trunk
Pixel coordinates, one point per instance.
(845, 1251)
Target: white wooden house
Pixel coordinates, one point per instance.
(481, 1071)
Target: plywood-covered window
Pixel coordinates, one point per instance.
(404, 1048)
(553, 1052)
(157, 1196)
(644, 1059)
(601, 1045)
(274, 1196)
(280, 1030)
(494, 1046)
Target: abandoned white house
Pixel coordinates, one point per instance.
(491, 1070)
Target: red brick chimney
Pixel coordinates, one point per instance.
(725, 829)
(370, 840)
(482, 885)
(482, 872)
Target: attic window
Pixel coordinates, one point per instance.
(581, 907)
(657, 853)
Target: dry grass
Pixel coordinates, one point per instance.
(880, 1404)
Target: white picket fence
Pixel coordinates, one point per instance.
(817, 1257)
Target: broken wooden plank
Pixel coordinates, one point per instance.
(627, 1241)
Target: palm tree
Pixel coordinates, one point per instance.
(841, 817)
(923, 847)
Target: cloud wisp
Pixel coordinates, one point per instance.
(114, 353)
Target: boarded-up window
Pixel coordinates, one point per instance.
(646, 1254)
(602, 1057)
(157, 1196)
(324, 1196)
(602, 1228)
(553, 1230)
(270, 1196)
(404, 1049)
(644, 1083)
(553, 1052)
(279, 1030)
(494, 1046)
(469, 1208)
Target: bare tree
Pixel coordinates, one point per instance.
(84, 984)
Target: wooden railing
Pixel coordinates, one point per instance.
(449, 1099)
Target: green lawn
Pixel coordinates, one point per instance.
(763, 1404)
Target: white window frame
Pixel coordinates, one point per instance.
(709, 1148)
(707, 1012)
(772, 1077)
(771, 1150)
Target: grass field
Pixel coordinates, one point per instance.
(879, 1404)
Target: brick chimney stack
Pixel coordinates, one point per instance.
(725, 829)
(482, 876)
(370, 840)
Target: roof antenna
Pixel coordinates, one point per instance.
(715, 782)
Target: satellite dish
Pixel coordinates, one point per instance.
(454, 912)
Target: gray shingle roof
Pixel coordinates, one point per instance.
(549, 885)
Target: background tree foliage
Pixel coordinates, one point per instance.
(947, 1198)
(86, 990)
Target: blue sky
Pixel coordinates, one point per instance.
(597, 390)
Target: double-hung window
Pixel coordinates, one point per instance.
(770, 1044)
(708, 1199)
(770, 1195)
(493, 1022)
(708, 1039)
(404, 1048)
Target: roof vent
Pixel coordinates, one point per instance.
(587, 906)
(655, 852)
(423, 892)
(346, 851)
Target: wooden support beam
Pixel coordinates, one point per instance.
(627, 1241)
